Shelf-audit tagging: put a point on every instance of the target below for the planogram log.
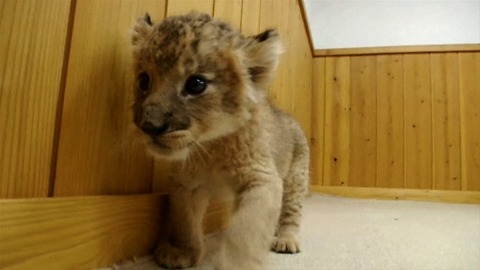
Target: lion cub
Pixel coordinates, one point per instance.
(200, 100)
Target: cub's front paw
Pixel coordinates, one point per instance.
(285, 244)
(172, 257)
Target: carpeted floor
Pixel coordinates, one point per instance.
(340, 233)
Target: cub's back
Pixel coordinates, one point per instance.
(287, 139)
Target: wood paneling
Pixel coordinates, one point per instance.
(318, 120)
(96, 154)
(446, 121)
(419, 110)
(180, 7)
(229, 11)
(363, 121)
(78, 233)
(32, 45)
(390, 118)
(418, 121)
(82, 120)
(250, 17)
(337, 121)
(299, 64)
(469, 83)
(270, 12)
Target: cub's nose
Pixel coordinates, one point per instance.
(152, 129)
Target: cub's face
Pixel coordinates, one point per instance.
(197, 79)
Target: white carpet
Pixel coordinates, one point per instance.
(340, 233)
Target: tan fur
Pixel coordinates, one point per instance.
(228, 139)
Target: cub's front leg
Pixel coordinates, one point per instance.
(258, 207)
(184, 247)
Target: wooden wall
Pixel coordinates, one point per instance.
(65, 90)
(65, 125)
(404, 120)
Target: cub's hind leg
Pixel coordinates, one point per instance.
(295, 188)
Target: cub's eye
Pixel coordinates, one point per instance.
(195, 85)
(143, 81)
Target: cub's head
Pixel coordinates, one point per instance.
(197, 79)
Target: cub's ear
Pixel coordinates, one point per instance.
(262, 54)
(142, 28)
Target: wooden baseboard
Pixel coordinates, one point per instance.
(78, 233)
(218, 216)
(87, 232)
(470, 197)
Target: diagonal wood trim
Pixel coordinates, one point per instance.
(470, 197)
(303, 10)
(398, 49)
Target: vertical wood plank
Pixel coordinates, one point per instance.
(270, 12)
(469, 70)
(418, 121)
(446, 121)
(250, 17)
(337, 121)
(390, 120)
(318, 120)
(32, 44)
(96, 153)
(299, 68)
(291, 57)
(363, 128)
(181, 7)
(229, 11)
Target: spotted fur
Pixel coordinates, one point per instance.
(228, 139)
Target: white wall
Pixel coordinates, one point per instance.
(372, 23)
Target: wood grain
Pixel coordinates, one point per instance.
(78, 233)
(32, 44)
(426, 121)
(218, 216)
(363, 121)
(229, 11)
(469, 83)
(446, 121)
(299, 69)
(250, 17)
(97, 152)
(418, 121)
(181, 7)
(304, 15)
(318, 120)
(270, 12)
(337, 121)
(390, 117)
